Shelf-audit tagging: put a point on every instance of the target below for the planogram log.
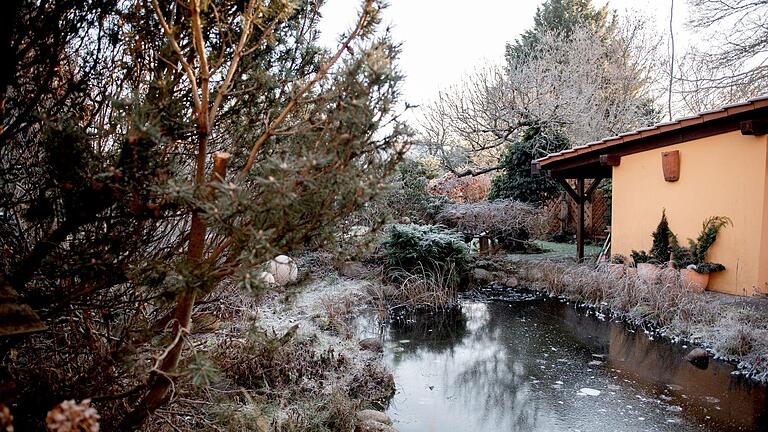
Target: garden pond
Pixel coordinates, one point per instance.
(521, 362)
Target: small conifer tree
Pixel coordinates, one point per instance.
(664, 241)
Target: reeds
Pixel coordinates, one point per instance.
(665, 302)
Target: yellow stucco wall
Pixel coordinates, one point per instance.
(722, 175)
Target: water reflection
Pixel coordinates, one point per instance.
(521, 366)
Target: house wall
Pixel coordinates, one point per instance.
(722, 175)
(763, 267)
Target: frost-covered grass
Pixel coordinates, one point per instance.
(736, 332)
(286, 361)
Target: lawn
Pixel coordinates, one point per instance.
(557, 251)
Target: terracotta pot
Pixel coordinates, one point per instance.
(669, 275)
(648, 272)
(693, 280)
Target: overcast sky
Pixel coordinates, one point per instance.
(444, 39)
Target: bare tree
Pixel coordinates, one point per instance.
(733, 64)
(469, 122)
(738, 33)
(583, 86)
(696, 90)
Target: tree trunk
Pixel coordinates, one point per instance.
(161, 382)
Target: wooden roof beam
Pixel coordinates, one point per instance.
(610, 159)
(754, 127)
(568, 189)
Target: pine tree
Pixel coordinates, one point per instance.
(154, 151)
(664, 241)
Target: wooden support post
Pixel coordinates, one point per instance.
(580, 220)
(592, 188)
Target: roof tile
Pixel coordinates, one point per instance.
(658, 128)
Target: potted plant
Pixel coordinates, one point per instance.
(651, 265)
(694, 268)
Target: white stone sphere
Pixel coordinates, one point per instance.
(284, 270)
(267, 278)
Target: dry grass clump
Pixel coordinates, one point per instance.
(334, 412)
(337, 314)
(666, 303)
(305, 386)
(373, 383)
(736, 342)
(740, 334)
(243, 412)
(418, 289)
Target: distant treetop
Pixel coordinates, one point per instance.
(563, 16)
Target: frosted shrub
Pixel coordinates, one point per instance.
(512, 222)
(432, 251)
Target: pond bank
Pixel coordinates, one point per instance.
(510, 360)
(730, 328)
(520, 361)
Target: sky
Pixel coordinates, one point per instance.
(442, 40)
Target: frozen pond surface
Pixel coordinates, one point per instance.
(532, 364)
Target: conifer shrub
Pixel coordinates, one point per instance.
(404, 198)
(666, 248)
(664, 240)
(640, 257)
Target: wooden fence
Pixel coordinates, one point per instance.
(562, 213)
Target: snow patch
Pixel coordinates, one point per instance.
(586, 391)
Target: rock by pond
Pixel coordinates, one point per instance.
(371, 344)
(352, 269)
(373, 415)
(482, 276)
(698, 357)
(373, 421)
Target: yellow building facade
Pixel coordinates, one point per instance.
(711, 164)
(720, 175)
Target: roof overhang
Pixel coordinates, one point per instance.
(597, 159)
